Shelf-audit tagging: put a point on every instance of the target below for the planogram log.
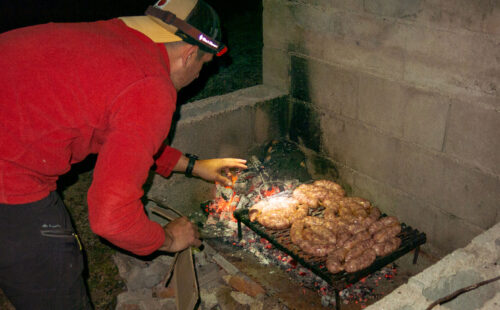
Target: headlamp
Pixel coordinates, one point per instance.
(208, 42)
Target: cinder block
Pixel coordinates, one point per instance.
(425, 118)
(348, 5)
(359, 42)
(378, 193)
(271, 119)
(312, 18)
(335, 141)
(300, 79)
(346, 179)
(361, 148)
(277, 23)
(328, 87)
(382, 104)
(305, 125)
(368, 30)
(393, 8)
(419, 172)
(335, 37)
(235, 131)
(452, 61)
(461, 14)
(467, 193)
(276, 64)
(445, 232)
(491, 21)
(470, 194)
(473, 135)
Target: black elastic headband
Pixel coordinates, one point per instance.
(168, 17)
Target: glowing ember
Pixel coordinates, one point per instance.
(221, 207)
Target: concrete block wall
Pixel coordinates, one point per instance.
(404, 96)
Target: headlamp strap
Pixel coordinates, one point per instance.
(171, 19)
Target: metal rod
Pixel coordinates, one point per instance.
(415, 255)
(165, 207)
(240, 235)
(337, 299)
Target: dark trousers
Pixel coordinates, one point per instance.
(41, 261)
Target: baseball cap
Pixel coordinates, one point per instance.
(192, 21)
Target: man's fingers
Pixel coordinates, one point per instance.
(223, 180)
(196, 232)
(236, 163)
(196, 243)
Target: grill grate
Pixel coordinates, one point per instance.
(410, 239)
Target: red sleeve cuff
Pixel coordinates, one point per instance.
(166, 162)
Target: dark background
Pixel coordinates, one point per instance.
(241, 23)
(20, 13)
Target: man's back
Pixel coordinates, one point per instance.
(62, 85)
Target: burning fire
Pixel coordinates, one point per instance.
(223, 207)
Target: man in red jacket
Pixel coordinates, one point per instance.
(106, 87)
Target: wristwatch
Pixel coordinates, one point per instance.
(190, 165)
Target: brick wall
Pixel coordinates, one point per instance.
(404, 96)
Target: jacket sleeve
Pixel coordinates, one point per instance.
(167, 160)
(139, 121)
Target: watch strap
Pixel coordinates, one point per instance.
(190, 165)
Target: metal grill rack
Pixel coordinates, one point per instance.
(411, 240)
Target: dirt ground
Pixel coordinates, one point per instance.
(238, 69)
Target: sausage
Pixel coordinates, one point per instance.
(303, 193)
(381, 223)
(334, 266)
(334, 262)
(360, 262)
(356, 228)
(313, 236)
(387, 247)
(277, 213)
(386, 233)
(316, 249)
(330, 186)
(342, 237)
(359, 249)
(351, 243)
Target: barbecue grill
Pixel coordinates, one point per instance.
(411, 239)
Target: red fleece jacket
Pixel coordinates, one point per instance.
(69, 90)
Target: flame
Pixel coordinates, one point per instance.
(272, 191)
(225, 208)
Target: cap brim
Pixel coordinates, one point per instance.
(152, 29)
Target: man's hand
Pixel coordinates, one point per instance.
(180, 234)
(217, 169)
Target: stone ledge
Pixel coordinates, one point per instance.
(198, 110)
(478, 261)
